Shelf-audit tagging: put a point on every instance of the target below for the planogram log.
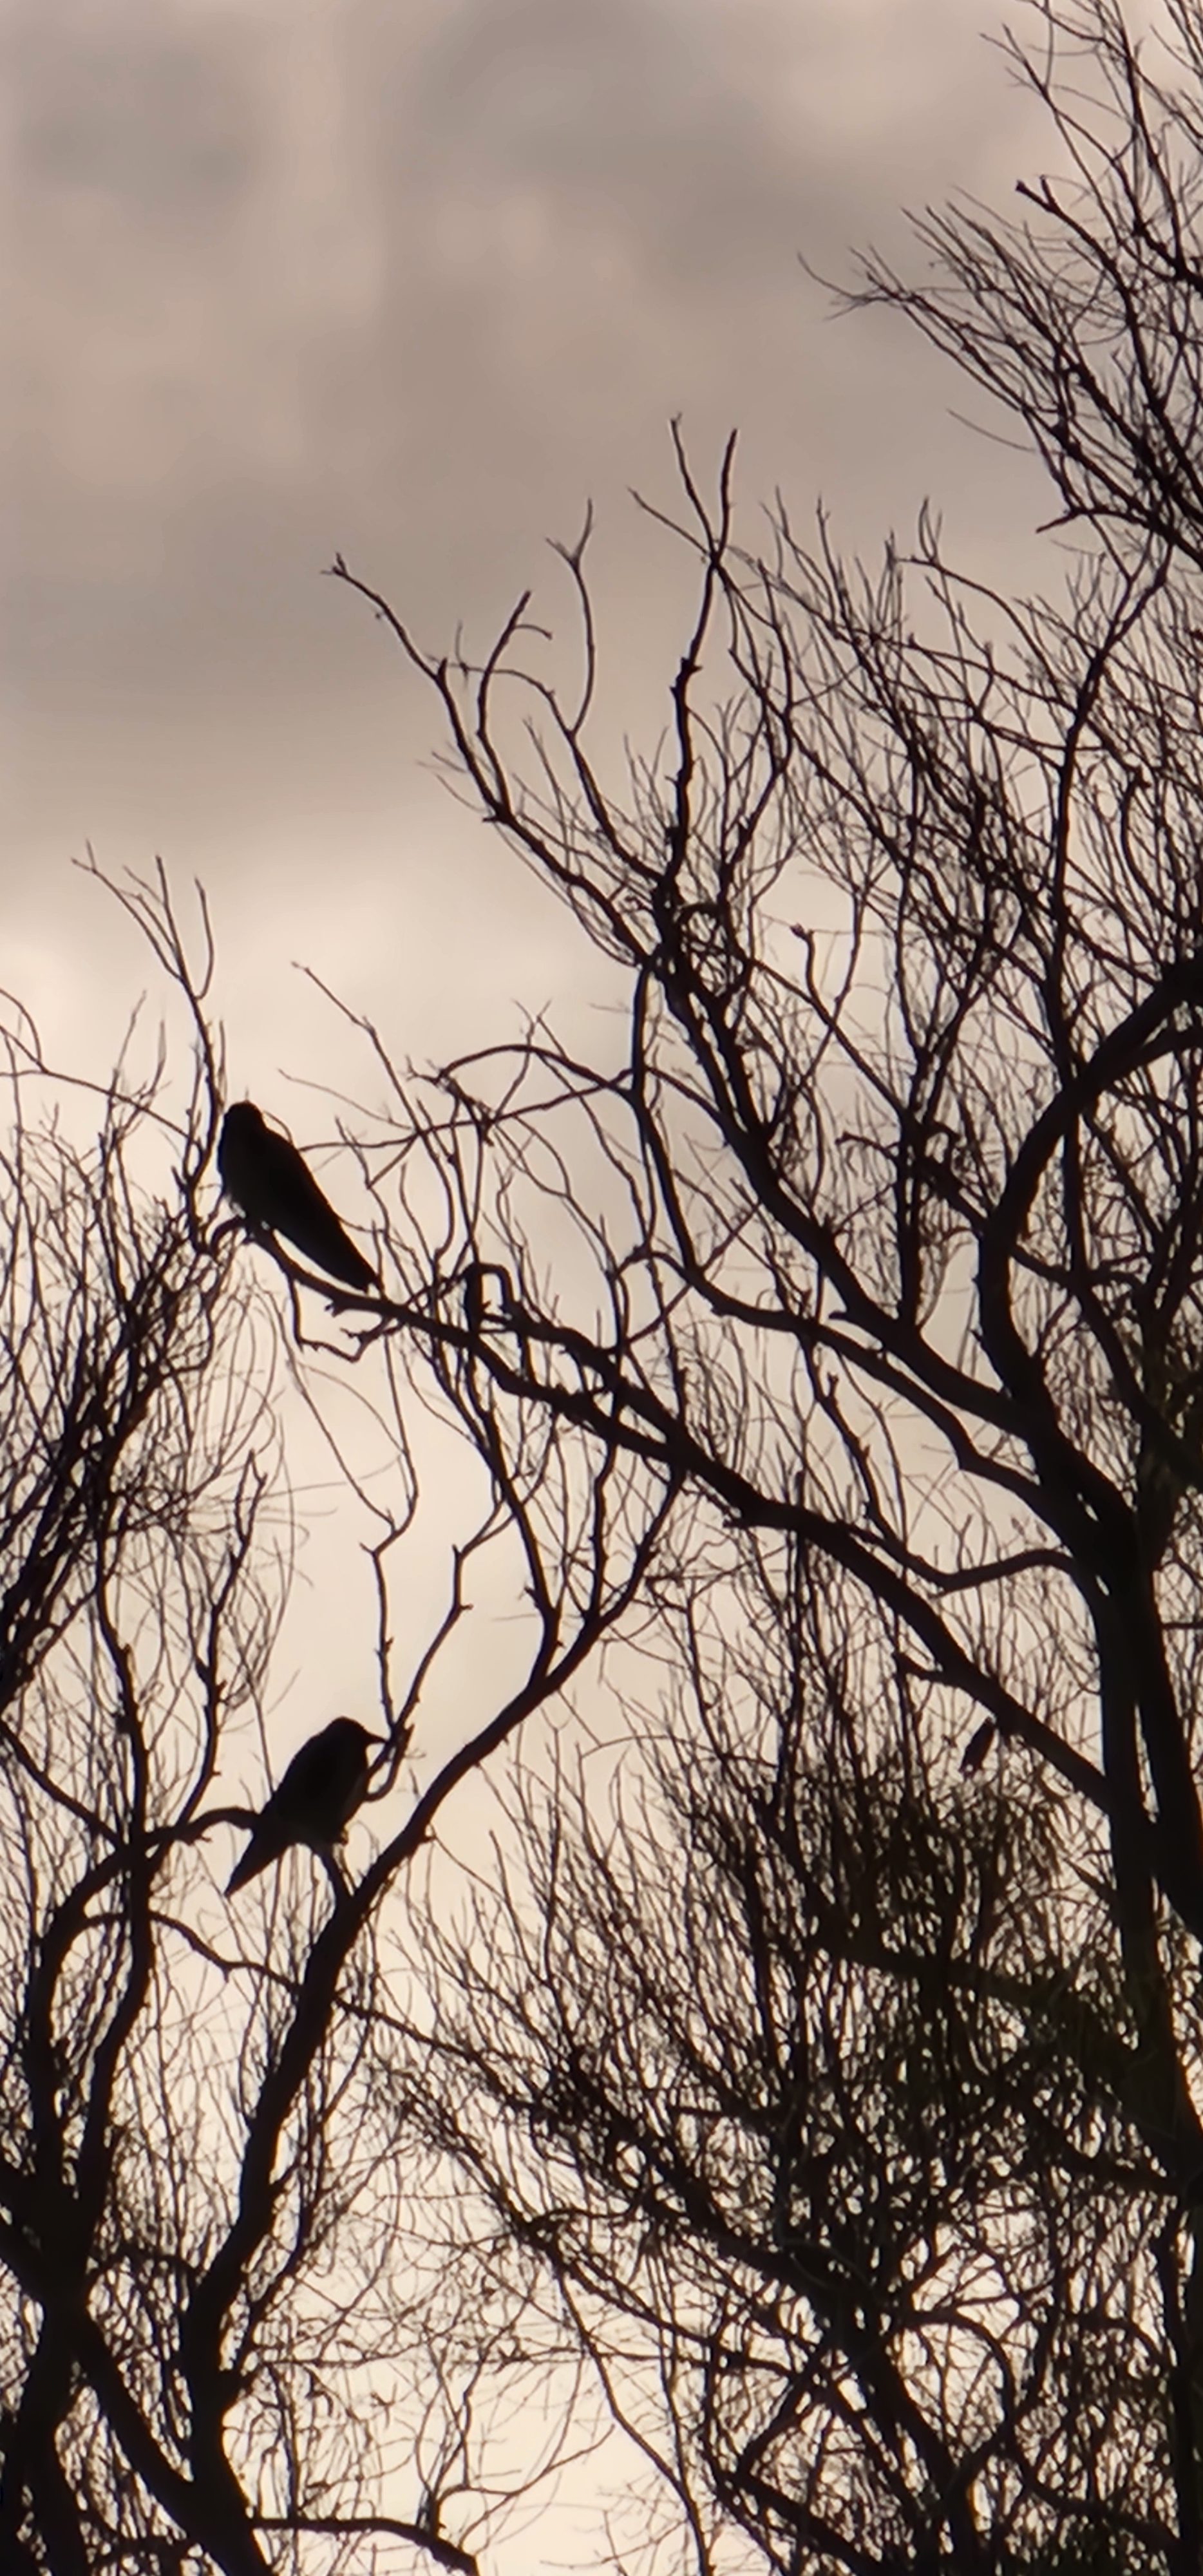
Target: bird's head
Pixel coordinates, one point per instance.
(243, 1120)
(348, 1731)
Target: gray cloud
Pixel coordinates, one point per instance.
(309, 273)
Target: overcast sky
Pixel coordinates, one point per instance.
(412, 279)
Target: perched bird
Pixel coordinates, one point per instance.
(267, 1179)
(317, 1796)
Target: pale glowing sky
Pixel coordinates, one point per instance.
(413, 278)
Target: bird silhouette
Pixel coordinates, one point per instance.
(267, 1179)
(319, 1793)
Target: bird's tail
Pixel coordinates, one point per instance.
(253, 1860)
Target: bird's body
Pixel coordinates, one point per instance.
(317, 1796)
(268, 1180)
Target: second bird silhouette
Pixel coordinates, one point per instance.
(275, 1190)
(319, 1793)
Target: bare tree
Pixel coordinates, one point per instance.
(803, 2090)
(231, 2339)
(828, 1354)
(878, 1239)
